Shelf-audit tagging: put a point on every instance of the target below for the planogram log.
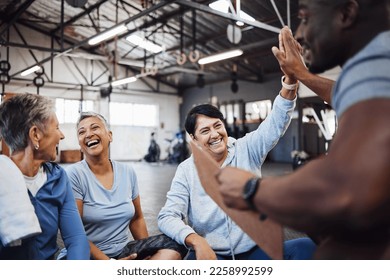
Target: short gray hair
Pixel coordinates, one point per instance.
(19, 113)
(85, 115)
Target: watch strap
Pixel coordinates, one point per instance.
(250, 189)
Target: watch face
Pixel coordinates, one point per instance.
(250, 188)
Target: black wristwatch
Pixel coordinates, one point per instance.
(249, 191)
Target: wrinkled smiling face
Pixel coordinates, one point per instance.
(94, 138)
(211, 133)
(50, 140)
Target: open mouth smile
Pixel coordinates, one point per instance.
(92, 143)
(215, 142)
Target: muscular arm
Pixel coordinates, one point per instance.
(319, 85)
(137, 224)
(350, 186)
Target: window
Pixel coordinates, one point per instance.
(68, 110)
(257, 110)
(145, 115)
(133, 114)
(121, 113)
(230, 112)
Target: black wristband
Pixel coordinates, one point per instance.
(249, 191)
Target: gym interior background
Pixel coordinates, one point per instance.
(146, 73)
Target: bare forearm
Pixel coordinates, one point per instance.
(305, 200)
(319, 85)
(193, 239)
(137, 224)
(138, 228)
(96, 253)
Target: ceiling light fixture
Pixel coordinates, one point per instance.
(30, 70)
(124, 81)
(107, 34)
(145, 44)
(220, 56)
(220, 5)
(223, 7)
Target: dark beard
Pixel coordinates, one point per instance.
(315, 70)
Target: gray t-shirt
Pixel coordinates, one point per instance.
(106, 213)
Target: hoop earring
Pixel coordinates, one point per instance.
(36, 146)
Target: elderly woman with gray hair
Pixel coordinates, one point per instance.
(108, 200)
(29, 126)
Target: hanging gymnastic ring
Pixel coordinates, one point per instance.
(194, 56)
(181, 59)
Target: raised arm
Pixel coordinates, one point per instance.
(291, 63)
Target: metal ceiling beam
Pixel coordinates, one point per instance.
(277, 12)
(27, 46)
(137, 16)
(30, 51)
(85, 41)
(16, 15)
(154, 21)
(79, 70)
(163, 19)
(80, 15)
(204, 41)
(39, 29)
(288, 14)
(206, 9)
(62, 23)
